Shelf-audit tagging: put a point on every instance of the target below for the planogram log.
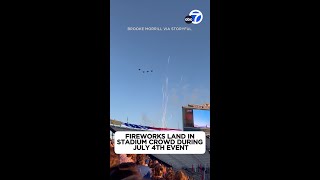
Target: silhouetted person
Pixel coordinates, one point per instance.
(125, 171)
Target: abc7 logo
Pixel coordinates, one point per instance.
(194, 17)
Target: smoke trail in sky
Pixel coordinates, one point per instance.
(180, 81)
(165, 102)
(165, 97)
(162, 97)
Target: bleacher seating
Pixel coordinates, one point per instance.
(179, 161)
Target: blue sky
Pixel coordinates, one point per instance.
(139, 96)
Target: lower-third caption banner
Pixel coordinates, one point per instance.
(160, 142)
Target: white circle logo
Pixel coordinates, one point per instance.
(196, 16)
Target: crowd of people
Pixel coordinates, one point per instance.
(140, 167)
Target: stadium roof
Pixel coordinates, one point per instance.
(117, 128)
(205, 106)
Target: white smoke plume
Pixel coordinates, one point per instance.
(165, 97)
(145, 120)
